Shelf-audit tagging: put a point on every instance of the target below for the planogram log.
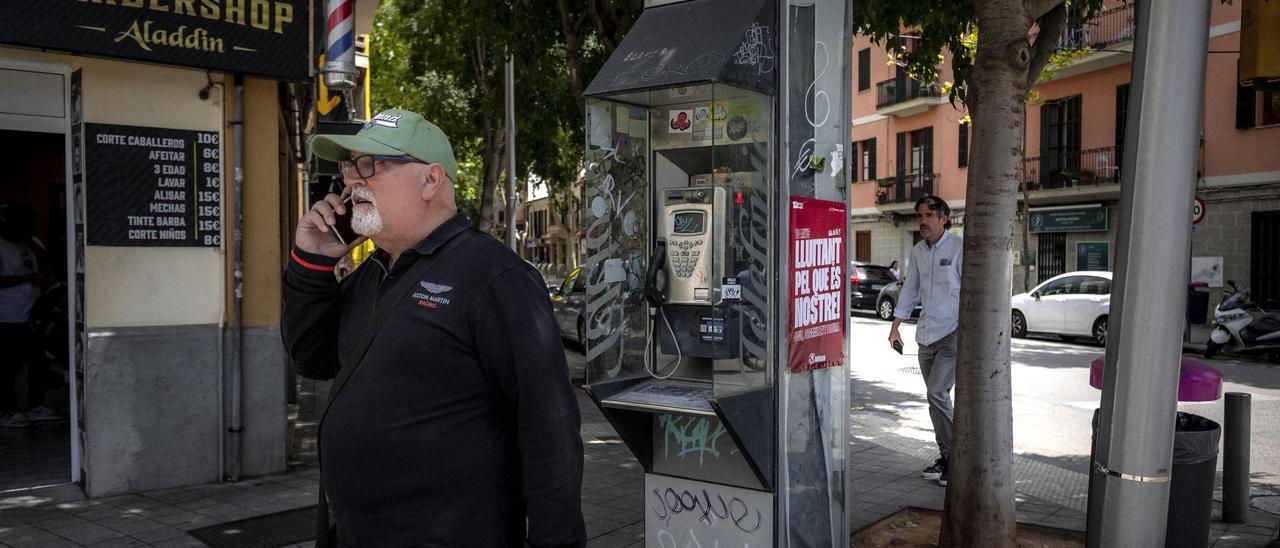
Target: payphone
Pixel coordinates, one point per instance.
(683, 228)
(682, 176)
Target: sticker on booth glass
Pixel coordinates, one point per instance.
(613, 271)
(680, 121)
(730, 289)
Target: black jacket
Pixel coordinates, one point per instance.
(460, 421)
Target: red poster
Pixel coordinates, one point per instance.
(818, 295)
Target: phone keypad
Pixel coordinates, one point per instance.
(684, 256)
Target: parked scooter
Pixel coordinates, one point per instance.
(1241, 326)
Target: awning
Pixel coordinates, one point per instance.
(725, 41)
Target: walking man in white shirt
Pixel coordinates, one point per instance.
(932, 280)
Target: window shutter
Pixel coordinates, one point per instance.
(1122, 118)
(871, 146)
(1048, 119)
(1246, 106)
(962, 150)
(902, 155)
(926, 145)
(864, 69)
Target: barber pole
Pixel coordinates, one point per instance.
(340, 41)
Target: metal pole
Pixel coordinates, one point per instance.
(1237, 426)
(237, 276)
(511, 153)
(1139, 398)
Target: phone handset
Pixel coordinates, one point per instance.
(655, 291)
(655, 288)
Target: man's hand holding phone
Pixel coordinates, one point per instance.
(318, 230)
(895, 339)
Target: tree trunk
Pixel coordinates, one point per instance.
(492, 155)
(573, 51)
(979, 508)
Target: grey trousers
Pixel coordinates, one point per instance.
(938, 367)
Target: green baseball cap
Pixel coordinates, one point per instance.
(393, 132)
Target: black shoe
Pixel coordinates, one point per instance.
(942, 479)
(934, 472)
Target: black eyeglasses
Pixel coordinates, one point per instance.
(364, 166)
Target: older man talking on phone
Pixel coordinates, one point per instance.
(452, 421)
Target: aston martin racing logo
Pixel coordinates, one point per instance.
(435, 288)
(432, 298)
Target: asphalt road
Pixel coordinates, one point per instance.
(1052, 400)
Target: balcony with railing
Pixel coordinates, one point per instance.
(904, 189)
(904, 97)
(1090, 168)
(1107, 28)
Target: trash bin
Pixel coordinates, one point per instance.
(1197, 304)
(1195, 461)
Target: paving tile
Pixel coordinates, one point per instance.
(124, 542)
(88, 533)
(187, 542)
(179, 519)
(155, 535)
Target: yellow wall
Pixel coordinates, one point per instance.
(262, 208)
(154, 286)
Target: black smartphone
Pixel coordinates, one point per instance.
(897, 345)
(342, 225)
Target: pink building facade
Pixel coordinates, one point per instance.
(908, 141)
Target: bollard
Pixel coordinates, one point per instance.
(1235, 458)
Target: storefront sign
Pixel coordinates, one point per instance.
(267, 37)
(1081, 219)
(152, 186)
(1092, 256)
(817, 296)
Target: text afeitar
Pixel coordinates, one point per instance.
(816, 262)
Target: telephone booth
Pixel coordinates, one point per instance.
(717, 309)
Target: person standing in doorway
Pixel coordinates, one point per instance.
(20, 285)
(932, 280)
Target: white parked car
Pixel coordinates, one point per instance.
(1070, 305)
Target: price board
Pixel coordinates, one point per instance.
(152, 186)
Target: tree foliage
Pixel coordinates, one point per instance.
(445, 60)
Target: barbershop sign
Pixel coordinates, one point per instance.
(265, 37)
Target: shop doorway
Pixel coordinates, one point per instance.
(1051, 257)
(1265, 268)
(37, 386)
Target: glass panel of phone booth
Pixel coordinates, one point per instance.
(617, 239)
(711, 166)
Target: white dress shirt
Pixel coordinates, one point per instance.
(933, 281)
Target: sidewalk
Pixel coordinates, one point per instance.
(884, 477)
(885, 473)
(613, 498)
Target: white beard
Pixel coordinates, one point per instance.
(365, 219)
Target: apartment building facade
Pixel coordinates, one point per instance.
(908, 141)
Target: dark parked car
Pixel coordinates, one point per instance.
(865, 282)
(569, 303)
(887, 300)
